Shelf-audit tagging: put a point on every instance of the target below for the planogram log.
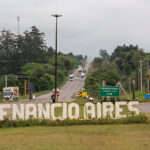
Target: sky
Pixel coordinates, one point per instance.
(86, 26)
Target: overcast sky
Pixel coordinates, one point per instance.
(86, 25)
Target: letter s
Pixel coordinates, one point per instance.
(132, 108)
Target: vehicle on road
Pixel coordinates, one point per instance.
(79, 68)
(84, 70)
(71, 77)
(10, 93)
(82, 75)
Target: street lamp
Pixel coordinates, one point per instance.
(56, 16)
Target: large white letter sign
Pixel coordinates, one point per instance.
(64, 111)
(118, 110)
(70, 109)
(31, 110)
(108, 108)
(17, 111)
(88, 111)
(99, 113)
(42, 112)
(2, 111)
(53, 106)
(132, 108)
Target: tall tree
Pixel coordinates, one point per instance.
(7, 51)
(34, 46)
(103, 54)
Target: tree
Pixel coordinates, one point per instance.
(103, 54)
(121, 50)
(7, 51)
(34, 47)
(50, 52)
(126, 58)
(85, 57)
(65, 62)
(97, 62)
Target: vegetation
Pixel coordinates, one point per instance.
(85, 137)
(36, 122)
(122, 65)
(29, 54)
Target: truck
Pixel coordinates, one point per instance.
(10, 93)
(79, 68)
(71, 76)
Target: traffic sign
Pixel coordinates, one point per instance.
(22, 76)
(109, 91)
(57, 91)
(84, 94)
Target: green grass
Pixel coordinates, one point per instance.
(139, 95)
(42, 92)
(86, 137)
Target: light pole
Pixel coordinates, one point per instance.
(18, 20)
(56, 16)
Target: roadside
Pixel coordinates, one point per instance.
(38, 95)
(144, 107)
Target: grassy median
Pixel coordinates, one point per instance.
(85, 137)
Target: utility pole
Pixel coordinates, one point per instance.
(148, 75)
(6, 80)
(18, 22)
(124, 69)
(141, 74)
(133, 88)
(56, 16)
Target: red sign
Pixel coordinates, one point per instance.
(57, 93)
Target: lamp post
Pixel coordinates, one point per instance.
(56, 16)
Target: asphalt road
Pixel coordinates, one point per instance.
(68, 90)
(71, 87)
(145, 107)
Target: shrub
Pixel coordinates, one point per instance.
(36, 122)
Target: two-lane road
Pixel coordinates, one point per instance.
(68, 90)
(71, 87)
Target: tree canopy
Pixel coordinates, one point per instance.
(28, 53)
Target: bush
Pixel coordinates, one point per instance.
(37, 122)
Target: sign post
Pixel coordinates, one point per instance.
(111, 91)
(25, 88)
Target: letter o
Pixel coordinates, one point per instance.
(70, 107)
